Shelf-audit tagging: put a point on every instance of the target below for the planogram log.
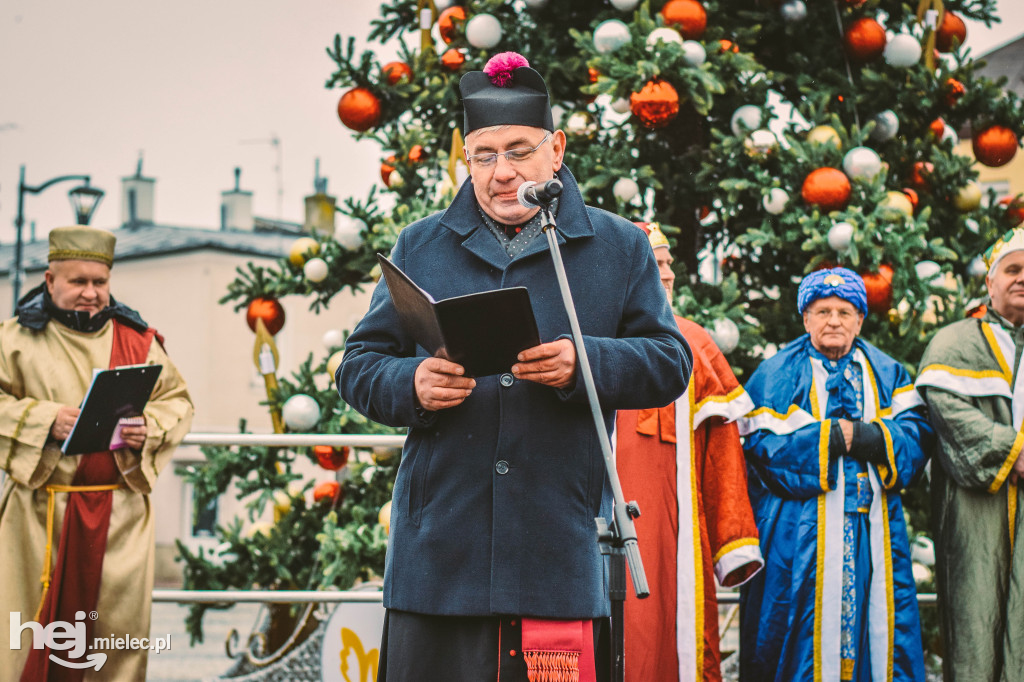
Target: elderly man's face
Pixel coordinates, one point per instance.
(79, 285)
(1006, 287)
(664, 258)
(496, 185)
(833, 324)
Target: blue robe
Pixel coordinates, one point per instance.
(837, 582)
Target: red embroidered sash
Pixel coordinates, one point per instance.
(83, 536)
(559, 650)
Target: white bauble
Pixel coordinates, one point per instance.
(922, 551)
(928, 271)
(949, 134)
(348, 232)
(625, 5)
(580, 123)
(775, 201)
(761, 143)
(887, 124)
(921, 572)
(972, 225)
(333, 338)
(483, 31)
(977, 267)
(442, 5)
(557, 114)
(862, 163)
(315, 270)
(840, 236)
(725, 334)
(694, 53)
(663, 35)
(749, 115)
(536, 4)
(610, 35)
(620, 105)
(300, 412)
(793, 11)
(625, 189)
(902, 51)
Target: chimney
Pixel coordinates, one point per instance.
(236, 207)
(319, 207)
(137, 194)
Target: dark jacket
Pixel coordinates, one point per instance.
(495, 500)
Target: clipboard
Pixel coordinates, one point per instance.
(114, 394)
(483, 331)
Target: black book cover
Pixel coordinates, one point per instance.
(114, 394)
(483, 332)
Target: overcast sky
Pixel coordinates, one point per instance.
(199, 87)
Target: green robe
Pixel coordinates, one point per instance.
(970, 378)
(39, 372)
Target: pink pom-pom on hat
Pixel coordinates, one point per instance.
(499, 68)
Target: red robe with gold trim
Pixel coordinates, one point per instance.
(685, 462)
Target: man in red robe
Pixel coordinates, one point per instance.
(683, 464)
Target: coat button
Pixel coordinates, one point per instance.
(501, 467)
(506, 380)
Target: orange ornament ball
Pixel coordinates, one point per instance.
(827, 188)
(328, 490)
(453, 59)
(656, 104)
(387, 167)
(416, 153)
(268, 309)
(912, 195)
(359, 109)
(864, 40)
(937, 128)
(725, 45)
(995, 146)
(396, 71)
(687, 16)
(330, 457)
(954, 90)
(450, 21)
(952, 32)
(919, 176)
(1014, 209)
(879, 288)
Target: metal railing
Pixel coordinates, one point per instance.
(311, 596)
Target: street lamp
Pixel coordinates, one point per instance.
(84, 200)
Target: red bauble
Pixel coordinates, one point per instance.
(864, 40)
(387, 167)
(951, 33)
(268, 309)
(396, 71)
(727, 46)
(1014, 209)
(328, 490)
(453, 59)
(687, 16)
(954, 91)
(656, 104)
(450, 21)
(937, 128)
(828, 188)
(912, 195)
(995, 146)
(359, 109)
(879, 288)
(416, 153)
(330, 457)
(920, 176)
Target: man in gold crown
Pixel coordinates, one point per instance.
(76, 532)
(683, 464)
(970, 378)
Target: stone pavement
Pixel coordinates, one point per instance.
(204, 661)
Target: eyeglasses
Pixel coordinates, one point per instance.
(512, 155)
(826, 314)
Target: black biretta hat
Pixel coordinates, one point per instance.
(506, 92)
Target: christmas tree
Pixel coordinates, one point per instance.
(767, 139)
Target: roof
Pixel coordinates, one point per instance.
(1007, 61)
(272, 239)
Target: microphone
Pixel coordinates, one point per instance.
(532, 194)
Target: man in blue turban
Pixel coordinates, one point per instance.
(837, 432)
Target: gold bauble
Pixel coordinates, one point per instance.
(303, 248)
(384, 517)
(896, 204)
(333, 362)
(968, 198)
(824, 135)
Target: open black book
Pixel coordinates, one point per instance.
(114, 394)
(483, 332)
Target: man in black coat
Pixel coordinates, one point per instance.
(493, 565)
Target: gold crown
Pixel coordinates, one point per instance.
(656, 236)
(1012, 240)
(82, 243)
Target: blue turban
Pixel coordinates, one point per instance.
(846, 284)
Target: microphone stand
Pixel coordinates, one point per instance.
(618, 538)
